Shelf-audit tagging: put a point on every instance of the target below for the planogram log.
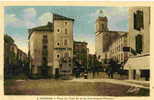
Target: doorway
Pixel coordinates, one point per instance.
(57, 73)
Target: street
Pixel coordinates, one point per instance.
(75, 87)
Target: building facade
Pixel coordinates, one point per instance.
(139, 42)
(51, 47)
(116, 49)
(80, 53)
(104, 38)
(15, 60)
(139, 29)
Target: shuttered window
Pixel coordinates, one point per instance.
(138, 20)
(139, 40)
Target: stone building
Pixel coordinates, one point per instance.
(15, 60)
(139, 29)
(104, 38)
(51, 47)
(138, 64)
(80, 52)
(22, 55)
(116, 49)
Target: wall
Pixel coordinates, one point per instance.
(145, 32)
(35, 43)
(60, 37)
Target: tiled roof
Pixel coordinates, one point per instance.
(48, 27)
(59, 17)
(79, 42)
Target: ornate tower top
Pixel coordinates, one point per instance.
(101, 18)
(101, 24)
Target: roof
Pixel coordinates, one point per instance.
(118, 34)
(48, 27)
(79, 42)
(138, 62)
(59, 17)
(101, 18)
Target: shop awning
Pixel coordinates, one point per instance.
(138, 62)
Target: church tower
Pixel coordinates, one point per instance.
(101, 36)
(101, 24)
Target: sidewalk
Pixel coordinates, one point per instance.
(139, 82)
(104, 75)
(133, 83)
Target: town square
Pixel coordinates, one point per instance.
(77, 51)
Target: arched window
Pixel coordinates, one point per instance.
(58, 43)
(58, 30)
(139, 43)
(58, 55)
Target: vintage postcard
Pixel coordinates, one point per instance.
(77, 50)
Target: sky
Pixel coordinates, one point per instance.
(18, 19)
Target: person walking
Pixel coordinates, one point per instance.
(93, 71)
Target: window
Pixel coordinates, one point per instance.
(122, 57)
(45, 47)
(58, 44)
(44, 36)
(58, 30)
(65, 42)
(45, 53)
(66, 23)
(44, 60)
(103, 27)
(58, 56)
(69, 60)
(65, 31)
(138, 20)
(45, 39)
(139, 42)
(66, 54)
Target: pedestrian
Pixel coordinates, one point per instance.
(85, 75)
(108, 72)
(97, 70)
(111, 74)
(93, 71)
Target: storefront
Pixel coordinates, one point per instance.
(138, 67)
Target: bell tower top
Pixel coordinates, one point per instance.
(101, 23)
